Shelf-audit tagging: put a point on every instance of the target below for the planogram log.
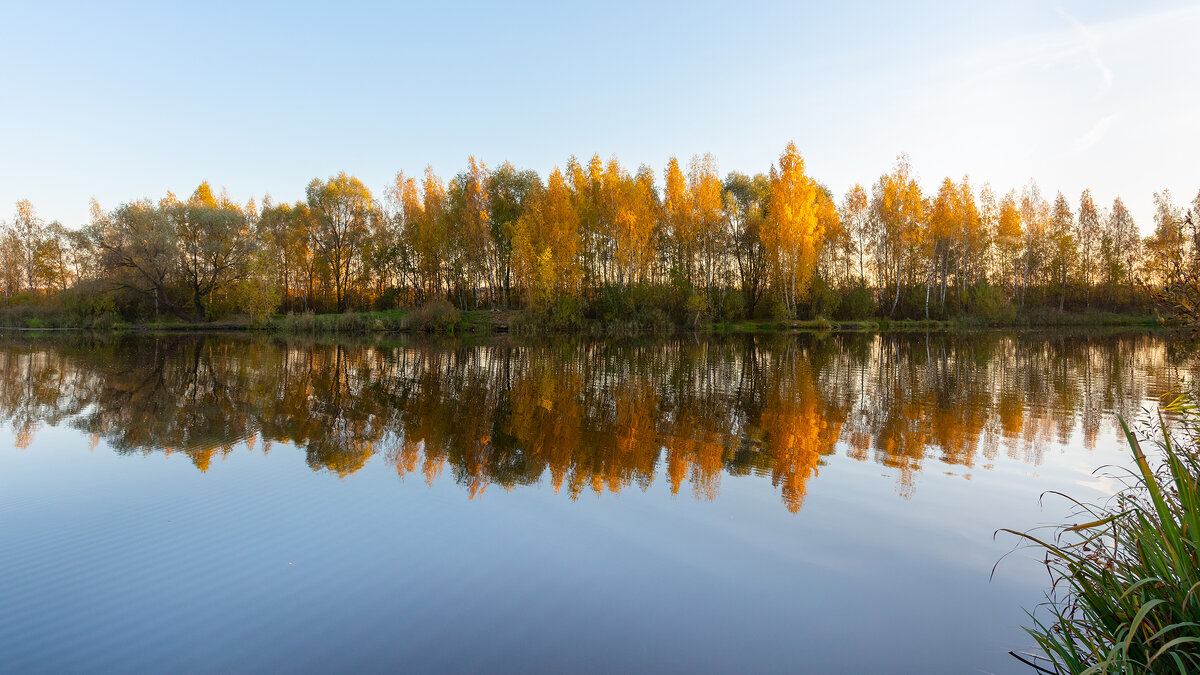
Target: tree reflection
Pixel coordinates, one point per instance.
(593, 416)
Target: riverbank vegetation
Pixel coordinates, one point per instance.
(595, 244)
(1126, 591)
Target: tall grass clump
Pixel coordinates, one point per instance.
(1125, 596)
(438, 316)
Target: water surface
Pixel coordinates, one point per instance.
(782, 503)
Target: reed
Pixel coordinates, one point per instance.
(1125, 596)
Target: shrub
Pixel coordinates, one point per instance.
(299, 323)
(821, 323)
(610, 303)
(695, 307)
(436, 316)
(350, 322)
(987, 302)
(822, 299)
(858, 304)
(566, 314)
(733, 306)
(655, 319)
(771, 307)
(36, 316)
(258, 299)
(104, 321)
(390, 298)
(913, 303)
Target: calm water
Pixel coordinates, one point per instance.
(784, 503)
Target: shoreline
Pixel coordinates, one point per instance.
(512, 322)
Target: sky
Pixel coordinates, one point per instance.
(122, 101)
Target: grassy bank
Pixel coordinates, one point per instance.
(442, 318)
(1031, 320)
(1125, 596)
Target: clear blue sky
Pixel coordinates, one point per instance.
(128, 100)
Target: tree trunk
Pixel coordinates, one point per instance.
(198, 304)
(896, 302)
(928, 283)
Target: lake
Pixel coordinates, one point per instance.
(798, 503)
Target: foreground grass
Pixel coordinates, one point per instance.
(1126, 591)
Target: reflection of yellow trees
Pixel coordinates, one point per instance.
(546, 421)
(799, 430)
(24, 435)
(694, 452)
(635, 438)
(202, 457)
(596, 417)
(903, 440)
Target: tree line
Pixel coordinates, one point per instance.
(596, 241)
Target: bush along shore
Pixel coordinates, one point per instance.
(1125, 596)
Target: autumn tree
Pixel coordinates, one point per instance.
(746, 203)
(989, 228)
(635, 219)
(834, 247)
(430, 233)
(55, 264)
(595, 231)
(1193, 231)
(283, 234)
(1035, 217)
(1125, 236)
(139, 252)
(1166, 248)
(856, 216)
(11, 266)
(677, 219)
(793, 234)
(945, 225)
(900, 211)
(546, 244)
(1062, 246)
(972, 242)
(406, 211)
(1009, 237)
(1087, 236)
(1120, 249)
(704, 186)
(468, 215)
(29, 231)
(342, 209)
(509, 192)
(584, 184)
(215, 246)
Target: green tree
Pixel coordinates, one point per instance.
(746, 203)
(215, 244)
(139, 253)
(342, 209)
(509, 192)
